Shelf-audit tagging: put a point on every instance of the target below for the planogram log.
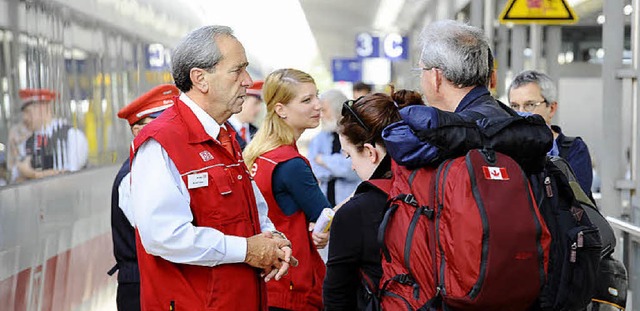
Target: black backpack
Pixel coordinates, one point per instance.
(611, 293)
(612, 276)
(607, 234)
(576, 246)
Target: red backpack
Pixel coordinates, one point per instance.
(466, 236)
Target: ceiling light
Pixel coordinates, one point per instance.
(628, 9)
(387, 14)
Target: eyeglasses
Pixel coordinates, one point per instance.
(347, 108)
(420, 69)
(528, 107)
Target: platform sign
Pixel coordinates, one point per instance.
(551, 12)
(158, 57)
(367, 45)
(346, 69)
(395, 47)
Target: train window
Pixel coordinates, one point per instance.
(59, 112)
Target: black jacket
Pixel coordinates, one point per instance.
(123, 234)
(353, 246)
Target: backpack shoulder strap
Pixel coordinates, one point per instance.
(385, 185)
(382, 229)
(565, 146)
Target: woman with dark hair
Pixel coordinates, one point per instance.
(353, 267)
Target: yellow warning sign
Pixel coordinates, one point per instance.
(538, 11)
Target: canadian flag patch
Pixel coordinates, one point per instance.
(495, 173)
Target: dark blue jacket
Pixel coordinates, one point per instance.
(579, 159)
(408, 150)
(479, 104)
(123, 234)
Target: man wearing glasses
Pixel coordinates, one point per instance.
(534, 92)
(455, 70)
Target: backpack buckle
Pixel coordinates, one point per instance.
(410, 199)
(405, 279)
(428, 212)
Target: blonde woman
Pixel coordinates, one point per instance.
(285, 179)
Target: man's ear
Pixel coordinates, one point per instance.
(197, 77)
(553, 107)
(493, 80)
(437, 79)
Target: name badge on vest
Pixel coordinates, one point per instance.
(198, 180)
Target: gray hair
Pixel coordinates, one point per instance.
(198, 49)
(459, 50)
(547, 86)
(335, 98)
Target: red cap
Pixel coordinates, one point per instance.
(30, 96)
(256, 89)
(149, 104)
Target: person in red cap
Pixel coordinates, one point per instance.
(203, 237)
(54, 146)
(243, 121)
(138, 113)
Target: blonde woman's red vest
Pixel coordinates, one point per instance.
(226, 204)
(301, 288)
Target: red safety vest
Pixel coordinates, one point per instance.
(226, 204)
(301, 288)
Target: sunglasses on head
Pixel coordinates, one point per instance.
(347, 108)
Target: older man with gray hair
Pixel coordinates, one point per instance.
(203, 235)
(456, 69)
(535, 92)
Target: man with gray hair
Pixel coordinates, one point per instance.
(203, 236)
(455, 70)
(535, 92)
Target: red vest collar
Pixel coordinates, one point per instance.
(197, 134)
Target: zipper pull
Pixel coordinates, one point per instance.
(574, 252)
(547, 186)
(580, 239)
(438, 290)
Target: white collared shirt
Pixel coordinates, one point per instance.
(160, 203)
(237, 124)
(124, 195)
